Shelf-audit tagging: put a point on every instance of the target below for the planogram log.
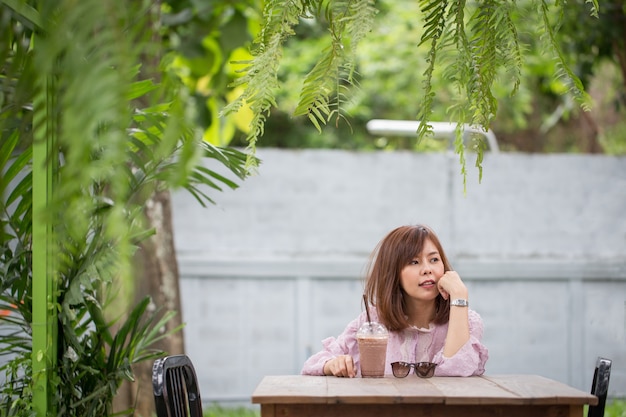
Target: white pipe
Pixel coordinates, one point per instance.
(440, 129)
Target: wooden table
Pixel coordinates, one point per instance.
(494, 395)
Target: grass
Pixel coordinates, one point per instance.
(215, 410)
(614, 408)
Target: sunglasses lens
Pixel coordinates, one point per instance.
(425, 369)
(400, 369)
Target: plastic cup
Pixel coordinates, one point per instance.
(372, 338)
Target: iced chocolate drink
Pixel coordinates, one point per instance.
(372, 338)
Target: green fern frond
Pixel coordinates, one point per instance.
(459, 148)
(279, 17)
(345, 87)
(322, 94)
(486, 61)
(261, 75)
(322, 88)
(564, 72)
(479, 149)
(458, 63)
(510, 48)
(319, 84)
(595, 7)
(359, 21)
(434, 22)
(473, 58)
(262, 82)
(434, 25)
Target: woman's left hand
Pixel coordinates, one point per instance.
(450, 284)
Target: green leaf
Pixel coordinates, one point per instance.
(27, 14)
(140, 89)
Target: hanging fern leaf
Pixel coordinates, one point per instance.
(481, 102)
(349, 21)
(433, 29)
(594, 7)
(260, 75)
(319, 85)
(476, 43)
(564, 72)
(322, 94)
(359, 21)
(510, 49)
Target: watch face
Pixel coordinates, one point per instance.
(459, 302)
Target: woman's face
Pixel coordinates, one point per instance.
(419, 278)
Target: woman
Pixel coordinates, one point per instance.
(416, 295)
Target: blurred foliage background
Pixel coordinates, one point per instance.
(540, 117)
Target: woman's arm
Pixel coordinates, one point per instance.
(337, 355)
(451, 286)
(471, 358)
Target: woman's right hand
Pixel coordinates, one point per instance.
(342, 366)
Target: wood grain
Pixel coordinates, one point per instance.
(493, 395)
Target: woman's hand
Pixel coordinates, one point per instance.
(340, 366)
(450, 284)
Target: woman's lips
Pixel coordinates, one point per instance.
(428, 283)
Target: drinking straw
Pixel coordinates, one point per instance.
(367, 309)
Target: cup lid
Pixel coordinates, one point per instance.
(372, 328)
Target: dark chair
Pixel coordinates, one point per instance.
(175, 387)
(600, 386)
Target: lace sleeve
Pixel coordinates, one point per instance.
(471, 358)
(344, 344)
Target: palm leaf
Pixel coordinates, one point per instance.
(25, 13)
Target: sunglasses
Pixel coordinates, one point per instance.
(422, 369)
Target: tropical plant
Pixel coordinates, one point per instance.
(72, 82)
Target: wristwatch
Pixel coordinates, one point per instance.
(459, 302)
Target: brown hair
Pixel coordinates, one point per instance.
(382, 286)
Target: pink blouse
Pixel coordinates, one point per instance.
(409, 345)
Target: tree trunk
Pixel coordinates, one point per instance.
(157, 273)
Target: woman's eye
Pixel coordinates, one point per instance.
(434, 260)
(414, 262)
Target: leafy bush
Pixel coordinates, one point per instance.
(76, 108)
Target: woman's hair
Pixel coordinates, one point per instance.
(382, 286)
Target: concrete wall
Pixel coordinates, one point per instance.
(276, 265)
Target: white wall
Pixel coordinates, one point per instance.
(276, 266)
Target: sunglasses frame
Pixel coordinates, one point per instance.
(421, 369)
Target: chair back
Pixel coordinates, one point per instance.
(175, 387)
(600, 386)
